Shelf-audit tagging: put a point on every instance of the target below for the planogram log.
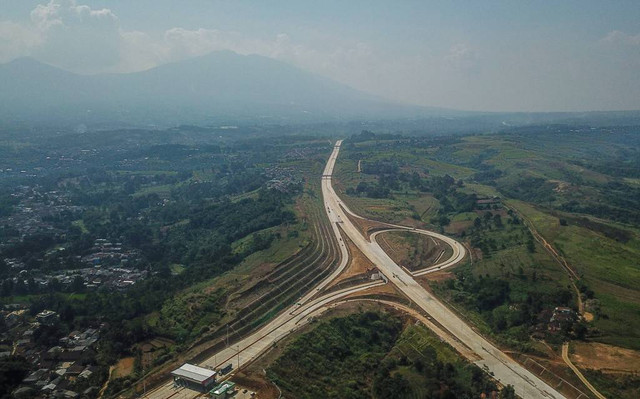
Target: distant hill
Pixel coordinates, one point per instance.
(216, 87)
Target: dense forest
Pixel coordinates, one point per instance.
(357, 357)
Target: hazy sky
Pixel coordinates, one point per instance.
(473, 55)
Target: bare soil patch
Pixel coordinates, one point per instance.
(123, 368)
(365, 226)
(607, 358)
(439, 276)
(411, 250)
(358, 263)
(386, 292)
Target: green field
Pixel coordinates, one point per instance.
(545, 177)
(610, 268)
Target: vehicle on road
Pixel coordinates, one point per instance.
(226, 369)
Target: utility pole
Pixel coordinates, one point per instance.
(144, 380)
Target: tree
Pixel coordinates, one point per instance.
(443, 220)
(4, 268)
(12, 370)
(531, 246)
(391, 387)
(580, 330)
(508, 392)
(77, 285)
(477, 223)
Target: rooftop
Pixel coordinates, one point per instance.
(222, 388)
(193, 373)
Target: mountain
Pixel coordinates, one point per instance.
(221, 86)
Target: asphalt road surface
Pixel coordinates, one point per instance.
(250, 348)
(504, 369)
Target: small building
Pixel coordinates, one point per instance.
(14, 317)
(48, 388)
(47, 317)
(194, 377)
(35, 376)
(23, 392)
(224, 390)
(562, 317)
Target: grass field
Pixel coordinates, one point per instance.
(608, 265)
(80, 224)
(26, 299)
(610, 268)
(162, 190)
(176, 269)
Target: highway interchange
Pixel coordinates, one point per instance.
(449, 326)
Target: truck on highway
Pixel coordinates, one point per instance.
(226, 369)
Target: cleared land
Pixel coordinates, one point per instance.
(414, 251)
(607, 358)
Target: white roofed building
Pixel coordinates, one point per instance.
(194, 377)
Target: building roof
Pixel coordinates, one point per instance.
(222, 388)
(46, 313)
(193, 373)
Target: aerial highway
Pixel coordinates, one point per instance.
(441, 319)
(458, 249)
(240, 353)
(504, 369)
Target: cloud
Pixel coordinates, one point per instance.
(65, 34)
(619, 37)
(82, 39)
(58, 13)
(461, 58)
(77, 37)
(16, 40)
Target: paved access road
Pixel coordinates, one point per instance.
(505, 369)
(250, 348)
(458, 249)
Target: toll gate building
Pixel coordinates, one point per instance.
(194, 377)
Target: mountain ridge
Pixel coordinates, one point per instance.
(219, 85)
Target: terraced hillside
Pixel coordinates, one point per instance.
(288, 281)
